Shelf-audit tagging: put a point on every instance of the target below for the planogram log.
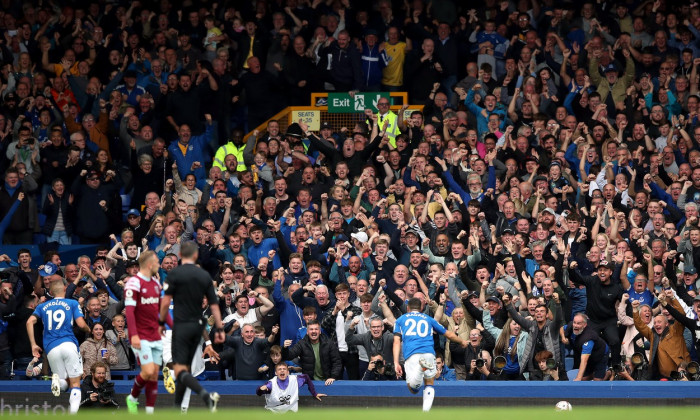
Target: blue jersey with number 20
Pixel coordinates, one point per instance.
(416, 330)
(58, 316)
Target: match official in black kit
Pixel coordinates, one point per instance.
(186, 286)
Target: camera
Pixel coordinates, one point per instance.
(106, 391)
(388, 367)
(617, 368)
(677, 376)
(637, 359)
(640, 371)
(499, 363)
(551, 363)
(480, 363)
(690, 373)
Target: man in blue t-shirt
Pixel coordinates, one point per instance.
(62, 351)
(641, 288)
(415, 330)
(590, 351)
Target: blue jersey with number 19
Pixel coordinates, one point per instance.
(416, 331)
(58, 316)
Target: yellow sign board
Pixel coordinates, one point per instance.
(407, 113)
(310, 118)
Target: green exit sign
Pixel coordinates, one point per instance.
(344, 103)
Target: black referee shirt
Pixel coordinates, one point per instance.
(188, 284)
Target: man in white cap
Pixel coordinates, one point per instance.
(359, 267)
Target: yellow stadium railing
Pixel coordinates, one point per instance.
(337, 120)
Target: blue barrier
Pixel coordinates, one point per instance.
(461, 389)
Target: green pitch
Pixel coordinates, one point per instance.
(522, 413)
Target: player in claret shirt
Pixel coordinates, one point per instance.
(142, 300)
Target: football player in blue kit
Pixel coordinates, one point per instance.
(62, 351)
(415, 329)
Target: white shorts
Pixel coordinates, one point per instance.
(415, 373)
(167, 347)
(197, 361)
(198, 364)
(150, 352)
(65, 360)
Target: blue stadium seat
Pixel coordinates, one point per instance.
(569, 363)
(126, 203)
(38, 239)
(572, 374)
(210, 375)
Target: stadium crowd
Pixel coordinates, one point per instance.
(544, 203)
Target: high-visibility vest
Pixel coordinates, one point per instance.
(229, 149)
(393, 130)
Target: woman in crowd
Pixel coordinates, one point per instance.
(98, 348)
(510, 343)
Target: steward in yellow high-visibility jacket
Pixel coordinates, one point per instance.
(230, 149)
(383, 116)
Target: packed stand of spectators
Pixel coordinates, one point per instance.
(544, 203)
